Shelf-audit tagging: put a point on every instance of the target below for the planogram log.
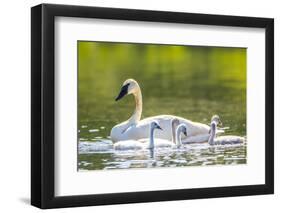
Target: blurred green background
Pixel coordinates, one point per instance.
(193, 82)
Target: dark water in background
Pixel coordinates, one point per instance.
(191, 82)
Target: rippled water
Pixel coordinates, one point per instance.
(187, 81)
(101, 155)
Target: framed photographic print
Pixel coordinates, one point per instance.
(140, 106)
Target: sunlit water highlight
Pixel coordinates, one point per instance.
(101, 155)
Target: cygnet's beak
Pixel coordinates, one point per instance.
(159, 127)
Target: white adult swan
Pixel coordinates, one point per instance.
(144, 144)
(135, 128)
(222, 140)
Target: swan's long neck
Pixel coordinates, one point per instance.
(178, 137)
(213, 133)
(151, 138)
(135, 118)
(174, 125)
(174, 135)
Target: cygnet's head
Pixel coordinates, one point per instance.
(130, 86)
(182, 128)
(155, 125)
(216, 119)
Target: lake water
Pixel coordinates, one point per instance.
(191, 82)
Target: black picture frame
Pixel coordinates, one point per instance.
(43, 105)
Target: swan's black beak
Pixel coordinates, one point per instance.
(123, 92)
(184, 132)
